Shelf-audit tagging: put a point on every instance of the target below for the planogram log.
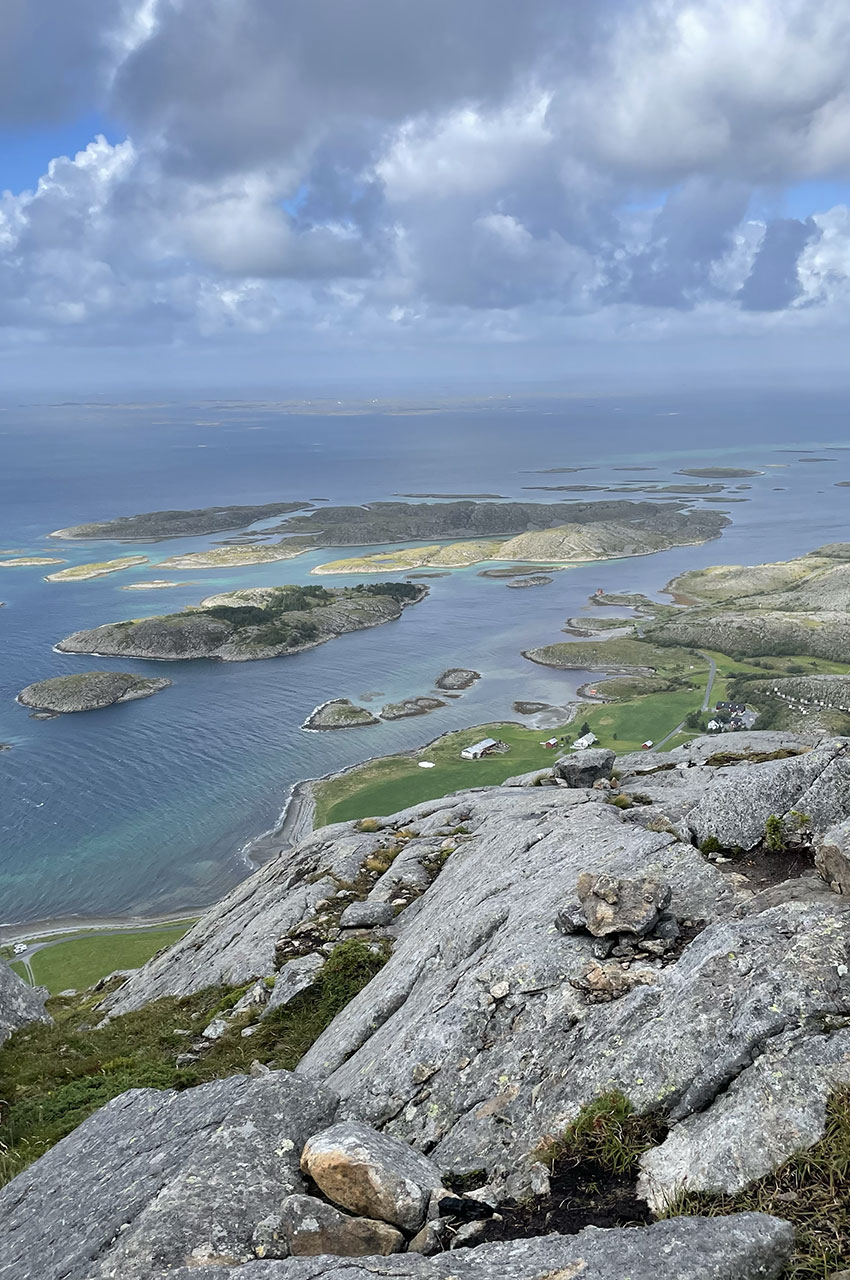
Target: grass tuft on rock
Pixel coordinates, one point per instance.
(810, 1191)
(53, 1076)
(608, 1133)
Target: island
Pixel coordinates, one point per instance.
(533, 580)
(158, 584)
(81, 572)
(176, 524)
(88, 691)
(457, 678)
(719, 473)
(254, 623)
(235, 555)
(410, 707)
(338, 713)
(565, 544)
(19, 561)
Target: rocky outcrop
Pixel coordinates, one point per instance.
(585, 767)
(457, 678)
(410, 707)
(832, 858)
(747, 1246)
(89, 691)
(158, 1180)
(19, 1004)
(339, 713)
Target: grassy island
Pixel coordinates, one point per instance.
(260, 622)
(98, 569)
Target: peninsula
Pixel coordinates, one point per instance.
(261, 622)
(176, 524)
(88, 691)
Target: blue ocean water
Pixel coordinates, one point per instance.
(148, 807)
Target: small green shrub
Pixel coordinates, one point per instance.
(621, 802)
(710, 845)
(774, 834)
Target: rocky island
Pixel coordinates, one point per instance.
(152, 525)
(20, 561)
(339, 713)
(88, 691)
(456, 1041)
(457, 678)
(260, 622)
(99, 569)
(410, 707)
(472, 529)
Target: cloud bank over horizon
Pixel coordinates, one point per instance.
(398, 182)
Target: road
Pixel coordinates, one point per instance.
(706, 702)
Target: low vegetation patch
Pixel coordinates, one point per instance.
(810, 1191)
(593, 1171)
(52, 1077)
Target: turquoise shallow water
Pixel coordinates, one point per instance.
(149, 806)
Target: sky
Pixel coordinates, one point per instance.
(247, 192)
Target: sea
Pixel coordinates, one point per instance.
(152, 807)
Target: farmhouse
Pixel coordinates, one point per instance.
(485, 747)
(581, 744)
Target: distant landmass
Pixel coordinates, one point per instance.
(177, 524)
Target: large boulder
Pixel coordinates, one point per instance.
(584, 767)
(156, 1180)
(20, 1004)
(615, 905)
(371, 1174)
(746, 1246)
(832, 858)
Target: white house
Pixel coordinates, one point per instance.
(581, 744)
(479, 749)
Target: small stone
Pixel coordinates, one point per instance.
(570, 919)
(430, 1239)
(540, 1182)
(499, 990)
(423, 1071)
(469, 1234)
(312, 1228)
(268, 1240)
(185, 1059)
(247, 1031)
(215, 1029)
(258, 1069)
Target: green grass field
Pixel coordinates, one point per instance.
(78, 962)
(395, 782)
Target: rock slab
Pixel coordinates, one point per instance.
(312, 1228)
(746, 1246)
(19, 1003)
(156, 1180)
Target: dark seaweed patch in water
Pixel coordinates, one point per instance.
(583, 1195)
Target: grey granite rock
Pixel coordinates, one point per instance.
(20, 1004)
(832, 858)
(294, 977)
(155, 1180)
(371, 1174)
(746, 1246)
(775, 1107)
(311, 1228)
(366, 915)
(584, 767)
(740, 798)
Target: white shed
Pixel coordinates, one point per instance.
(581, 744)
